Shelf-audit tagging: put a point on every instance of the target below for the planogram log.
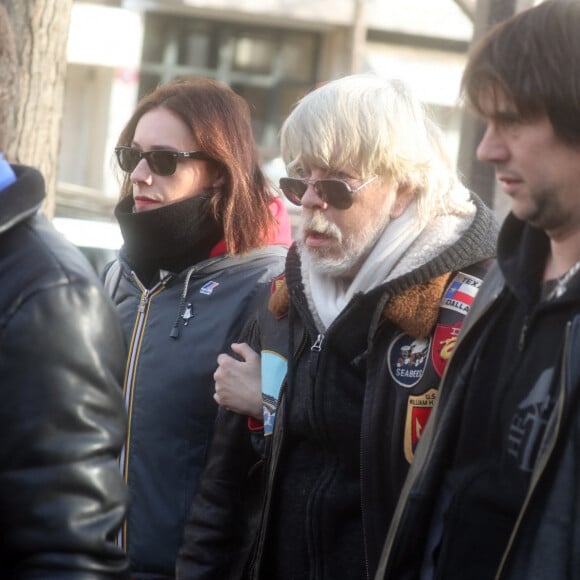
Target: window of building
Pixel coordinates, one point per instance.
(270, 68)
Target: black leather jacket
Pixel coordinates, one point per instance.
(62, 420)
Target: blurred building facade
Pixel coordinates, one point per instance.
(270, 51)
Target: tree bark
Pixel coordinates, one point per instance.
(41, 31)
(479, 176)
(358, 35)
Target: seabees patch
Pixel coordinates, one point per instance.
(418, 410)
(408, 357)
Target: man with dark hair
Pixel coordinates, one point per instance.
(495, 486)
(62, 355)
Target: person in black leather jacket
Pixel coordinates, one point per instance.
(62, 420)
(349, 348)
(494, 490)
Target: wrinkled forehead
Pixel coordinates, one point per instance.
(329, 160)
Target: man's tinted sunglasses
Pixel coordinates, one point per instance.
(334, 192)
(162, 162)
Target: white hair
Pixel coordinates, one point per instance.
(365, 125)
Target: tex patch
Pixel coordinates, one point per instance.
(408, 357)
(444, 340)
(460, 293)
(418, 410)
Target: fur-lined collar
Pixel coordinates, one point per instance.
(415, 304)
(415, 310)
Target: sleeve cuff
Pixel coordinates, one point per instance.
(255, 424)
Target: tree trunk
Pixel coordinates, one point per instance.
(479, 176)
(358, 36)
(41, 31)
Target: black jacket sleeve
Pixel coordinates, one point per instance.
(226, 510)
(63, 423)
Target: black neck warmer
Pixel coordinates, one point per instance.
(172, 237)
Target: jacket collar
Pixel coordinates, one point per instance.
(21, 199)
(522, 253)
(414, 310)
(412, 300)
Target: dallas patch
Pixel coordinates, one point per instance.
(408, 357)
(418, 410)
(444, 340)
(460, 293)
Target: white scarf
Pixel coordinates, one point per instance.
(403, 246)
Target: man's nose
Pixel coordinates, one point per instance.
(311, 199)
(492, 147)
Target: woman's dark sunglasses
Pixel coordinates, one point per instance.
(334, 192)
(160, 161)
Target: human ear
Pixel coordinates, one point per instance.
(403, 198)
(219, 180)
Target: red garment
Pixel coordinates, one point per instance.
(281, 235)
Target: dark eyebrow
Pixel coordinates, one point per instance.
(154, 147)
(505, 116)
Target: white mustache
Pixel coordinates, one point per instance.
(316, 222)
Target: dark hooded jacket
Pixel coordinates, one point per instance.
(343, 411)
(541, 540)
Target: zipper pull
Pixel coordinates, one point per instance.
(187, 314)
(317, 346)
(315, 352)
(142, 302)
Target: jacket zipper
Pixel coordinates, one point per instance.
(277, 438)
(524, 332)
(542, 461)
(315, 350)
(128, 386)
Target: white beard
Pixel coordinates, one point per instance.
(354, 249)
(328, 294)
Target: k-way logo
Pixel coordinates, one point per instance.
(209, 287)
(460, 293)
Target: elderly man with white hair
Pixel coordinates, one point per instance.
(349, 348)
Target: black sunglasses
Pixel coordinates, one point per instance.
(160, 161)
(334, 192)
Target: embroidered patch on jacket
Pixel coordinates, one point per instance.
(408, 357)
(444, 340)
(279, 298)
(273, 371)
(460, 293)
(418, 410)
(277, 283)
(208, 287)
